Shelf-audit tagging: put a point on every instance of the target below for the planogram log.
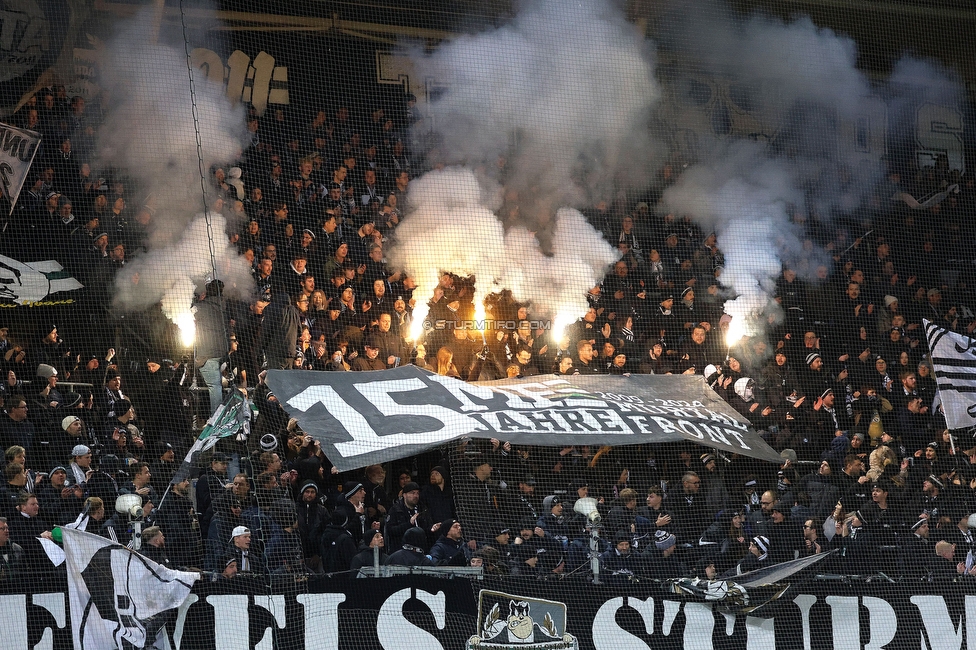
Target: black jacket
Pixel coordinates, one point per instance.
(156, 554)
(398, 522)
(405, 557)
(212, 340)
(312, 520)
(364, 558)
(179, 522)
(448, 552)
(256, 561)
(337, 550)
(440, 503)
(12, 564)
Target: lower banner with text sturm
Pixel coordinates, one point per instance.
(363, 418)
(434, 613)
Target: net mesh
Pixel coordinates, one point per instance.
(772, 196)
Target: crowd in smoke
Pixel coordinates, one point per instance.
(346, 237)
(470, 240)
(812, 167)
(549, 111)
(553, 107)
(151, 130)
(584, 86)
(170, 274)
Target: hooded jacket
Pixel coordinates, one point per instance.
(312, 521)
(412, 553)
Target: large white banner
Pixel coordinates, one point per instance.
(361, 418)
(954, 365)
(114, 591)
(17, 150)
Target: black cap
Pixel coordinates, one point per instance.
(410, 487)
(349, 488)
(446, 525)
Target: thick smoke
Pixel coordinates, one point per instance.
(562, 94)
(451, 228)
(796, 63)
(149, 132)
(812, 163)
(746, 199)
(168, 275)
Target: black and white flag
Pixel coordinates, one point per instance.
(361, 418)
(114, 592)
(17, 150)
(954, 365)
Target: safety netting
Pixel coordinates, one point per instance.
(538, 324)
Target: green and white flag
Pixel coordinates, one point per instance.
(26, 284)
(231, 418)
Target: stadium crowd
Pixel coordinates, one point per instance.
(837, 379)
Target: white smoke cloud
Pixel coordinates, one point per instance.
(169, 275)
(557, 282)
(814, 94)
(149, 130)
(563, 92)
(794, 62)
(451, 229)
(924, 80)
(746, 199)
(150, 133)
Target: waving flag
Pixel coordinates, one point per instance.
(17, 150)
(114, 592)
(753, 590)
(954, 365)
(231, 418)
(363, 418)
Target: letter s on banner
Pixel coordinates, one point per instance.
(395, 632)
(607, 635)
